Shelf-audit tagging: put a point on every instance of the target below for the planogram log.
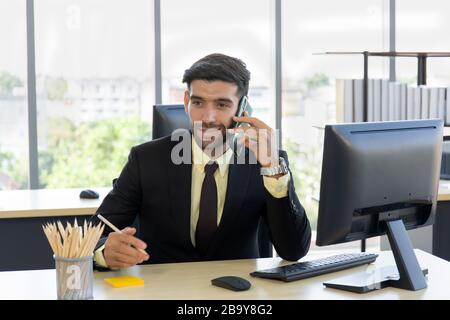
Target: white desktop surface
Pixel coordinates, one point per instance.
(48, 202)
(187, 281)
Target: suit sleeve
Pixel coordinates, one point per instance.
(288, 224)
(123, 202)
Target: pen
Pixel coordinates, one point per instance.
(109, 224)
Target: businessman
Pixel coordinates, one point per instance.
(208, 206)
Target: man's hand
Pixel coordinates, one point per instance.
(260, 138)
(121, 249)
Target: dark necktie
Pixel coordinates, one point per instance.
(207, 218)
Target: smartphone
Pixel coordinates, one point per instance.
(244, 106)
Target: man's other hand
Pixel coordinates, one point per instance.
(121, 249)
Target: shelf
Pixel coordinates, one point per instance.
(420, 55)
(421, 65)
(411, 54)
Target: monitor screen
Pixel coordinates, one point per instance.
(380, 178)
(168, 118)
(375, 169)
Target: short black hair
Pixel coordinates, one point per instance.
(218, 66)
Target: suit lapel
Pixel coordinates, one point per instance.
(238, 180)
(180, 195)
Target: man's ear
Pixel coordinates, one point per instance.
(186, 101)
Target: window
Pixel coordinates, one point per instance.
(13, 96)
(309, 80)
(244, 29)
(83, 49)
(423, 27)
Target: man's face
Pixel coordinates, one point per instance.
(211, 106)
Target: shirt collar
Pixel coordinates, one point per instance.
(200, 159)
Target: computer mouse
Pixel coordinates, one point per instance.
(232, 283)
(88, 194)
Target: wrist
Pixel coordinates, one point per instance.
(271, 163)
(276, 176)
(280, 169)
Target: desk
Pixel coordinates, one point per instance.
(441, 227)
(23, 212)
(444, 190)
(436, 238)
(193, 281)
(48, 203)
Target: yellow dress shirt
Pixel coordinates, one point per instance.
(278, 188)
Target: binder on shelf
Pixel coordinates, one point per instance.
(344, 100)
(377, 83)
(395, 102)
(390, 101)
(370, 106)
(384, 100)
(410, 103)
(425, 103)
(441, 103)
(417, 103)
(391, 98)
(358, 96)
(348, 107)
(403, 101)
(433, 102)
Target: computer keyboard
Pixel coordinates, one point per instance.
(312, 268)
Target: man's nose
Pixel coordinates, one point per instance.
(209, 116)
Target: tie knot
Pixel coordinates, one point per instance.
(211, 167)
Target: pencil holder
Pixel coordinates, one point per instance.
(74, 278)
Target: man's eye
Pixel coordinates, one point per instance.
(222, 105)
(196, 103)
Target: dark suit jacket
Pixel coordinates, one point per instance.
(159, 192)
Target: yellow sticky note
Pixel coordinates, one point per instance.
(125, 281)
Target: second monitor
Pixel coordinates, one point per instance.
(380, 178)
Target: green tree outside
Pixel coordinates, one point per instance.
(304, 163)
(8, 82)
(15, 169)
(91, 154)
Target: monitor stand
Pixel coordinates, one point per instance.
(407, 273)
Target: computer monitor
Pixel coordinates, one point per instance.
(168, 118)
(380, 178)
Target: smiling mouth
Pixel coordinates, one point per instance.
(210, 132)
